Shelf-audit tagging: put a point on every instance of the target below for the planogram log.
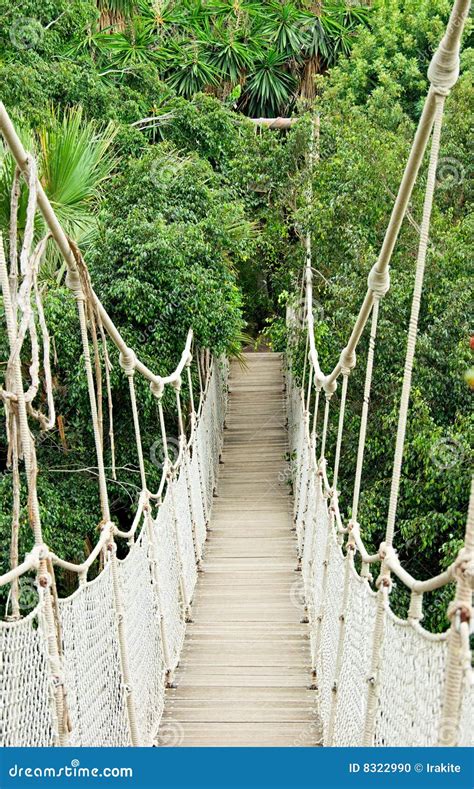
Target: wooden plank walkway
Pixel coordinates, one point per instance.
(245, 668)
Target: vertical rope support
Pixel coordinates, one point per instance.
(325, 426)
(340, 429)
(156, 583)
(365, 408)
(122, 642)
(413, 326)
(29, 456)
(197, 547)
(136, 425)
(460, 613)
(127, 364)
(170, 477)
(202, 483)
(171, 490)
(348, 568)
(74, 283)
(373, 678)
(324, 580)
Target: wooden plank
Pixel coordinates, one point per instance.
(265, 735)
(245, 669)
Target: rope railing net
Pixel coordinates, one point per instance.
(91, 669)
(381, 680)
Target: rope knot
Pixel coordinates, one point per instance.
(157, 388)
(347, 360)
(457, 609)
(464, 566)
(127, 361)
(329, 388)
(415, 611)
(73, 281)
(386, 552)
(379, 281)
(443, 71)
(45, 580)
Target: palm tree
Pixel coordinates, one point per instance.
(329, 31)
(74, 159)
(191, 69)
(115, 13)
(273, 50)
(270, 87)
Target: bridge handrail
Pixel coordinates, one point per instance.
(442, 73)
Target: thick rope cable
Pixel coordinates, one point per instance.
(365, 410)
(413, 325)
(340, 430)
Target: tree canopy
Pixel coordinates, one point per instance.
(188, 214)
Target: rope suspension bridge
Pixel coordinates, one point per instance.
(153, 652)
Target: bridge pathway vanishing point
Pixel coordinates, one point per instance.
(245, 669)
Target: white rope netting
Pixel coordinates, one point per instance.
(169, 583)
(142, 633)
(359, 618)
(25, 690)
(412, 660)
(152, 610)
(466, 726)
(197, 497)
(329, 612)
(91, 661)
(411, 669)
(184, 527)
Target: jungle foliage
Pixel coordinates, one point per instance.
(187, 214)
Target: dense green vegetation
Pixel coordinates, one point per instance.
(189, 215)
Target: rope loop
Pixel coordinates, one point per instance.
(128, 361)
(379, 281)
(464, 566)
(443, 71)
(73, 281)
(329, 388)
(458, 611)
(177, 383)
(157, 389)
(347, 360)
